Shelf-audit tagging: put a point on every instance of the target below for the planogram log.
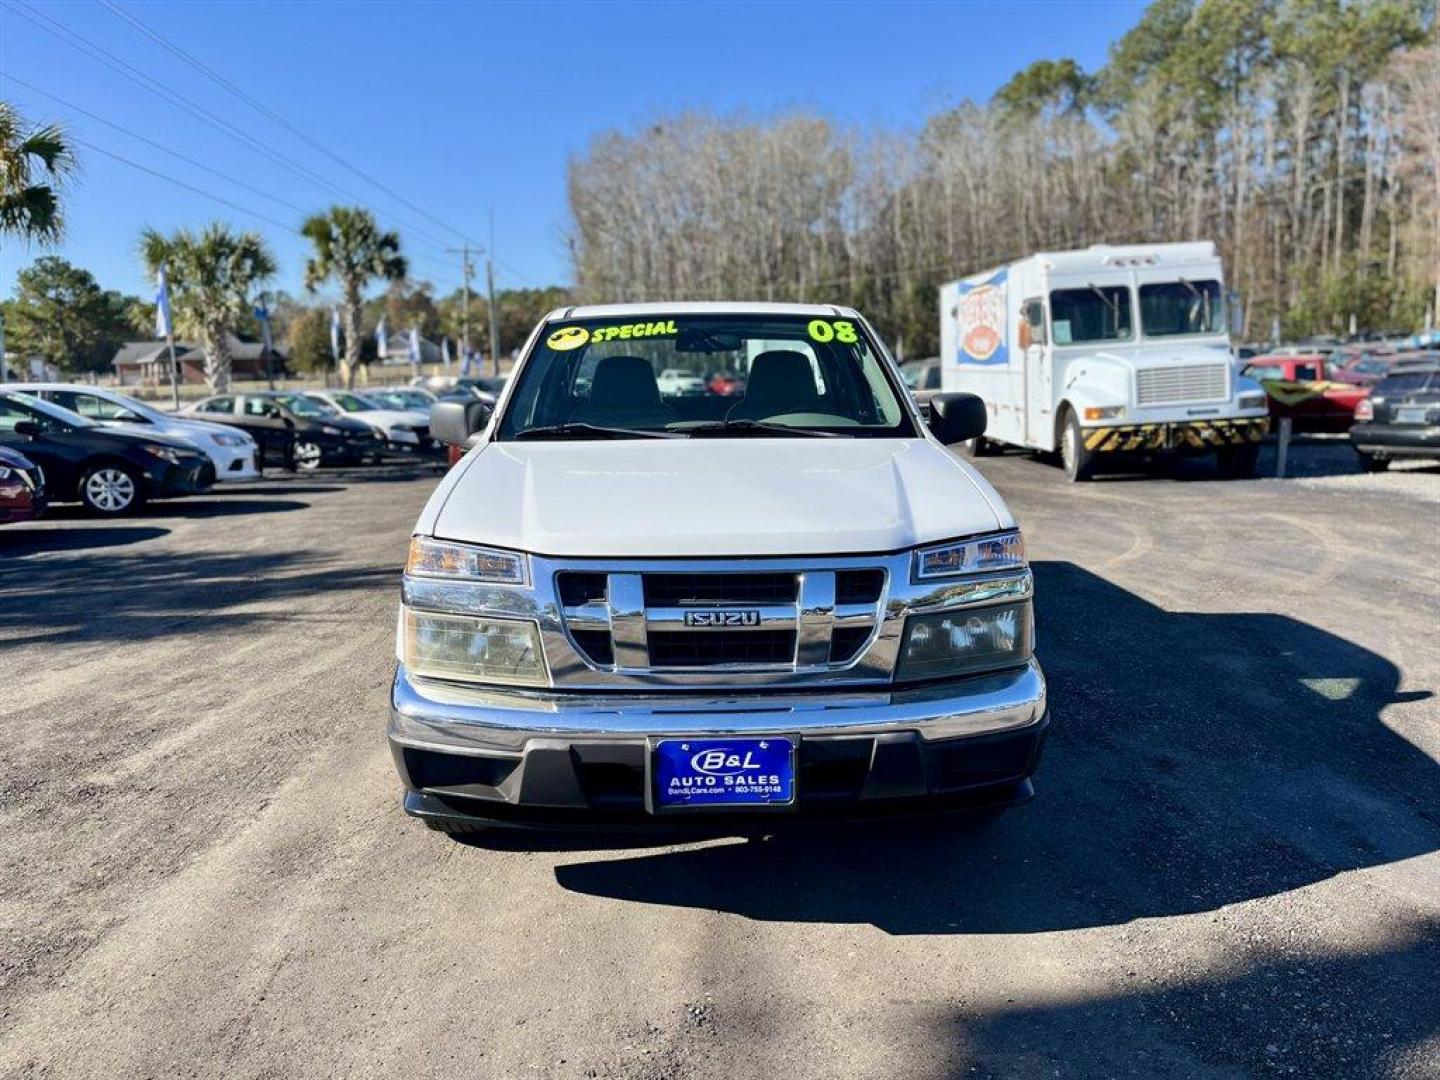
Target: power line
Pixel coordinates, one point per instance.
(154, 86)
(152, 143)
(267, 111)
(251, 211)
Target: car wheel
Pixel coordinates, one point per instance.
(980, 447)
(1238, 462)
(307, 456)
(1371, 463)
(1079, 462)
(110, 490)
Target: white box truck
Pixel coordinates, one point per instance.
(1105, 351)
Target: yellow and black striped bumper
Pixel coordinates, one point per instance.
(1181, 435)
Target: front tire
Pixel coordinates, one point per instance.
(980, 447)
(1077, 460)
(1371, 463)
(110, 490)
(1238, 462)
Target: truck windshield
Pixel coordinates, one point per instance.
(1093, 313)
(704, 376)
(1182, 307)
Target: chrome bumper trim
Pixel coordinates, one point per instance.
(444, 716)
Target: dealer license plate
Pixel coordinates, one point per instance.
(724, 772)
(1411, 415)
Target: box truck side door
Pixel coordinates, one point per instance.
(1035, 344)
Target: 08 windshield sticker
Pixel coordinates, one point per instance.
(572, 337)
(840, 330)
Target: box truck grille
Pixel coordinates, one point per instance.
(1182, 384)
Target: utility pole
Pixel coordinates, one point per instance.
(494, 311)
(4, 371)
(467, 270)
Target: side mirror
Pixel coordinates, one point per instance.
(453, 422)
(955, 418)
(28, 428)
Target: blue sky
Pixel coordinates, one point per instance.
(463, 107)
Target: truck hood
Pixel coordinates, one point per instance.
(1154, 354)
(714, 497)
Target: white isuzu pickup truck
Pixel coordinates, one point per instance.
(784, 599)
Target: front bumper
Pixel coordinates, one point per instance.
(554, 759)
(190, 478)
(1394, 440)
(1182, 436)
(235, 463)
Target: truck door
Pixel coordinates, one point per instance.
(1037, 373)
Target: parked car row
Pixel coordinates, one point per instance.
(62, 456)
(66, 442)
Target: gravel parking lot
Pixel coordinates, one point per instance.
(1230, 869)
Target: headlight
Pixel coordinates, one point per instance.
(965, 641)
(164, 453)
(473, 649)
(1104, 412)
(1252, 401)
(1003, 551)
(224, 438)
(4, 473)
(464, 562)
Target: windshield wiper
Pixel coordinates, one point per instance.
(750, 427)
(580, 430)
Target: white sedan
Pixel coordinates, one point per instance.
(677, 382)
(232, 451)
(406, 430)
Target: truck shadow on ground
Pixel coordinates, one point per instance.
(1197, 760)
(140, 595)
(1351, 1015)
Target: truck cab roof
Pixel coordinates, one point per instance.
(697, 307)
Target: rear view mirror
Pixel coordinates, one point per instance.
(453, 422)
(956, 418)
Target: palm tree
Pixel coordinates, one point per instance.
(33, 166)
(351, 249)
(211, 276)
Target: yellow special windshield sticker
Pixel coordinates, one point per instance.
(630, 331)
(840, 330)
(567, 338)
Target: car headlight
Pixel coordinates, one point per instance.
(1104, 412)
(225, 438)
(4, 473)
(473, 649)
(164, 453)
(1252, 401)
(1002, 551)
(464, 562)
(966, 641)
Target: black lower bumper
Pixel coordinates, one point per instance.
(1394, 440)
(601, 785)
(177, 480)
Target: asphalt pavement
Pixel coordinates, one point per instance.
(1230, 868)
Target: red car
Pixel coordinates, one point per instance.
(1363, 368)
(22, 487)
(1301, 388)
(726, 384)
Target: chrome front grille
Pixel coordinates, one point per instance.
(805, 619)
(1182, 384)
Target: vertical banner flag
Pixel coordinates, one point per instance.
(163, 326)
(262, 313)
(982, 322)
(335, 334)
(382, 340)
(445, 352)
(415, 345)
